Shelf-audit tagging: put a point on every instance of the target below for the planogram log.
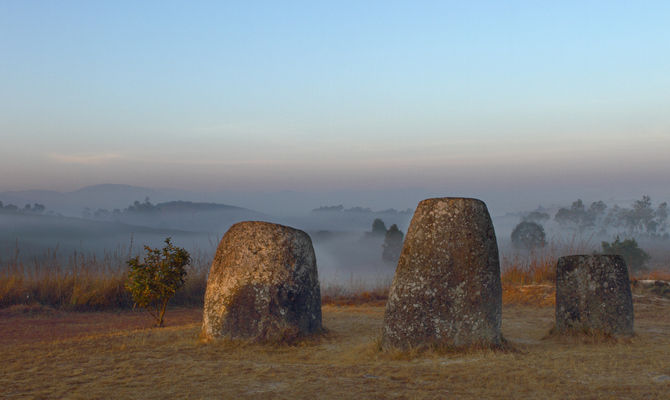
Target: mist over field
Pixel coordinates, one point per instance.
(115, 221)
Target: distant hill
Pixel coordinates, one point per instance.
(72, 203)
(104, 196)
(190, 206)
(184, 215)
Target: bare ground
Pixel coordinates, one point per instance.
(53, 354)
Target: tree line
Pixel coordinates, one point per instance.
(641, 219)
(34, 208)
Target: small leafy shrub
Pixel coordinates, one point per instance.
(635, 257)
(154, 281)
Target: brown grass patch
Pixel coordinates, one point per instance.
(33, 324)
(123, 360)
(436, 350)
(575, 336)
(376, 296)
(530, 295)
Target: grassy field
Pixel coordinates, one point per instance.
(47, 353)
(69, 332)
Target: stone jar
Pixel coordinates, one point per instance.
(446, 291)
(263, 285)
(593, 295)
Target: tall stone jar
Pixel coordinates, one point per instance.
(446, 291)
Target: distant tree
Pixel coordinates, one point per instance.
(378, 227)
(528, 235)
(661, 215)
(598, 207)
(635, 257)
(35, 208)
(594, 215)
(640, 219)
(145, 207)
(154, 281)
(392, 244)
(572, 215)
(580, 217)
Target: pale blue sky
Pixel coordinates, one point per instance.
(347, 95)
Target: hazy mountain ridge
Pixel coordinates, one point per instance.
(185, 215)
(106, 196)
(190, 206)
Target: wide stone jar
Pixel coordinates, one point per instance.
(593, 295)
(263, 285)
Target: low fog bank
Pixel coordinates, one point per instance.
(35, 240)
(348, 253)
(351, 260)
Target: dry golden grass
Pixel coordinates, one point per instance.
(85, 282)
(539, 266)
(533, 274)
(531, 281)
(120, 360)
(372, 296)
(539, 295)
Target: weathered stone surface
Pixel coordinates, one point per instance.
(593, 295)
(262, 285)
(446, 290)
